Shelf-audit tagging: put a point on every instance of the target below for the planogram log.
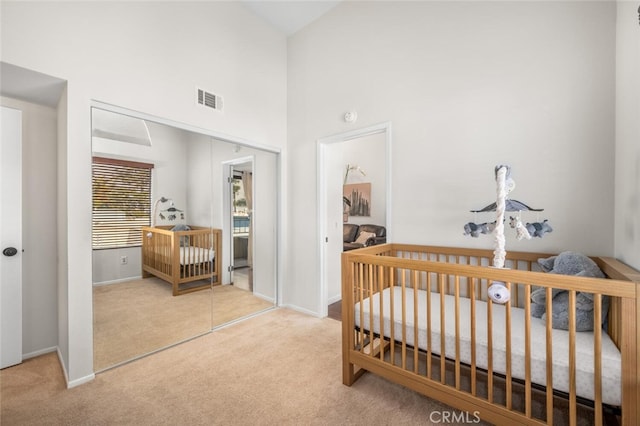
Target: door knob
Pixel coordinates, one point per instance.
(10, 251)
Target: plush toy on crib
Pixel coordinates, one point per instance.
(538, 229)
(475, 229)
(568, 263)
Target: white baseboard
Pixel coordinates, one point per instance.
(118, 281)
(80, 381)
(334, 299)
(39, 352)
(64, 367)
(302, 310)
(76, 382)
(265, 298)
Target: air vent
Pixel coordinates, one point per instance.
(209, 100)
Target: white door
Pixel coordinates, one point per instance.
(11, 238)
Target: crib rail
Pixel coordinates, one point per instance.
(437, 367)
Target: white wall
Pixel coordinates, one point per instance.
(627, 188)
(147, 57)
(39, 217)
(466, 86)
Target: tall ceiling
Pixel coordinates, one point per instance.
(287, 16)
(292, 15)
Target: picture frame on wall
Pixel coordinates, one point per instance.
(359, 194)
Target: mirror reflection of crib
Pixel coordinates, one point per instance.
(187, 259)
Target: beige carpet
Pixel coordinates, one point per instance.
(281, 367)
(141, 316)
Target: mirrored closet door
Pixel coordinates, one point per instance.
(143, 188)
(162, 233)
(249, 215)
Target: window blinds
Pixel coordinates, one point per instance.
(121, 202)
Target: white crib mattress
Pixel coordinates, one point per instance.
(193, 255)
(611, 381)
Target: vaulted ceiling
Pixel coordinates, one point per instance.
(290, 16)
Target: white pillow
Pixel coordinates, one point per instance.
(363, 237)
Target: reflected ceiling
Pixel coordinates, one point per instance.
(30, 86)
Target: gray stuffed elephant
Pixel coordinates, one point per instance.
(568, 263)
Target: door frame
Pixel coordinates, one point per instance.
(322, 146)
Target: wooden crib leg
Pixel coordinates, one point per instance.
(349, 373)
(348, 376)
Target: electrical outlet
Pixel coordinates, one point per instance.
(124, 260)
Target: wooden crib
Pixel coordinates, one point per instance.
(188, 260)
(489, 360)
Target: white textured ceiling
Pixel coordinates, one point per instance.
(290, 16)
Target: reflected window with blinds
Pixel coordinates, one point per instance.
(121, 202)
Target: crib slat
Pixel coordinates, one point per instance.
(572, 358)
(527, 350)
(469, 286)
(457, 325)
(404, 320)
(509, 381)
(415, 322)
(597, 359)
(361, 300)
(474, 283)
(442, 329)
(392, 338)
(175, 263)
(549, 358)
(371, 310)
(429, 326)
(490, 350)
(190, 260)
(630, 333)
(382, 316)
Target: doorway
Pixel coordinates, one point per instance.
(241, 203)
(336, 156)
